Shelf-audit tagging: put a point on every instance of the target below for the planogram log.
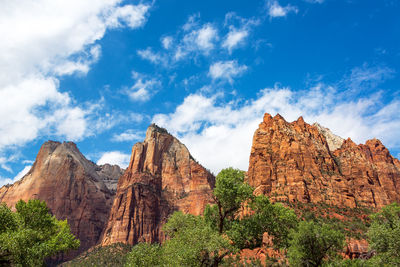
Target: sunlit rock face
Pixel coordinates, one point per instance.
(301, 162)
(72, 187)
(162, 177)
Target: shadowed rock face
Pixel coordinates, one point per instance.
(162, 177)
(293, 162)
(72, 188)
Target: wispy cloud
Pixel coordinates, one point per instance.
(315, 1)
(128, 135)
(275, 10)
(196, 38)
(143, 88)
(226, 70)
(239, 30)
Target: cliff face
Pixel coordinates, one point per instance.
(162, 177)
(294, 162)
(72, 187)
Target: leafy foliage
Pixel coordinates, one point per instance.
(193, 242)
(245, 231)
(144, 255)
(31, 234)
(114, 255)
(384, 236)
(314, 243)
(229, 193)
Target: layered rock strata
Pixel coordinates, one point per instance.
(301, 162)
(162, 177)
(72, 187)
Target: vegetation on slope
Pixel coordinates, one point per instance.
(31, 234)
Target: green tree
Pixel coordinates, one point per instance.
(232, 195)
(229, 193)
(144, 255)
(313, 244)
(192, 242)
(31, 234)
(384, 236)
(237, 220)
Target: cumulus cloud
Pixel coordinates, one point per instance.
(114, 158)
(41, 41)
(226, 70)
(219, 133)
(276, 10)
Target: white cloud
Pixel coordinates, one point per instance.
(143, 88)
(22, 173)
(315, 1)
(128, 135)
(167, 42)
(367, 77)
(226, 70)
(4, 181)
(275, 10)
(234, 38)
(197, 40)
(132, 16)
(114, 157)
(41, 41)
(239, 30)
(153, 57)
(219, 134)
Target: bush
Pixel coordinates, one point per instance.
(313, 244)
(31, 234)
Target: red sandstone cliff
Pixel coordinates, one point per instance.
(162, 177)
(294, 162)
(72, 187)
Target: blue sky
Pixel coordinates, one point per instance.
(99, 72)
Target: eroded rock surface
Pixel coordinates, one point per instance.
(162, 177)
(72, 188)
(295, 162)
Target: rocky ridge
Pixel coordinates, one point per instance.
(295, 161)
(73, 188)
(162, 177)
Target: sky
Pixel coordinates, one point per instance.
(99, 72)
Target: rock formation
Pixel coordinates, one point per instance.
(301, 162)
(162, 177)
(72, 187)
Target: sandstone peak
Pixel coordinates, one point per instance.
(309, 164)
(72, 187)
(300, 120)
(162, 177)
(267, 117)
(278, 117)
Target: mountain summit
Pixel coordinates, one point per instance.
(307, 163)
(162, 177)
(73, 188)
